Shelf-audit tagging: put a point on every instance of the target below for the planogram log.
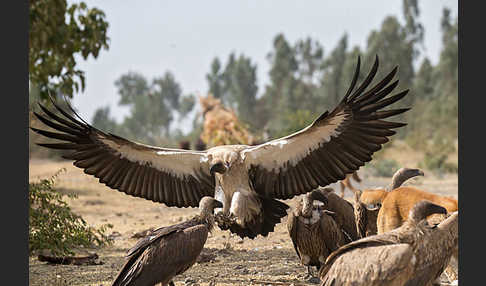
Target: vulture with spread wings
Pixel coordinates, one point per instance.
(247, 179)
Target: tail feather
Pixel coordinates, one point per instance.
(272, 212)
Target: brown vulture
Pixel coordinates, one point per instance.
(247, 179)
(314, 231)
(403, 256)
(168, 251)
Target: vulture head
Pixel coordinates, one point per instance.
(208, 204)
(423, 209)
(308, 202)
(402, 175)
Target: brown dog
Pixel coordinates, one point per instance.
(346, 183)
(396, 204)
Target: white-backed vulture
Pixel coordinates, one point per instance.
(314, 231)
(366, 212)
(168, 251)
(247, 179)
(394, 258)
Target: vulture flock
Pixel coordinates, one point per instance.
(338, 237)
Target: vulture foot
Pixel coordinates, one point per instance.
(310, 277)
(224, 221)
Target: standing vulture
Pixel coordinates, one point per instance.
(247, 179)
(314, 231)
(168, 251)
(394, 258)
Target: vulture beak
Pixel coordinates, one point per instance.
(218, 167)
(418, 172)
(217, 204)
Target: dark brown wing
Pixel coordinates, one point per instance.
(175, 177)
(157, 234)
(170, 252)
(372, 266)
(335, 144)
(331, 232)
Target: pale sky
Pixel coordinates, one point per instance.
(183, 37)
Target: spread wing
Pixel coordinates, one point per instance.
(175, 177)
(335, 144)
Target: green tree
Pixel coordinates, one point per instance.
(241, 87)
(277, 96)
(333, 85)
(392, 46)
(306, 96)
(424, 81)
(152, 106)
(103, 121)
(215, 79)
(59, 32)
(415, 29)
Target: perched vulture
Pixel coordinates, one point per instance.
(314, 231)
(393, 258)
(168, 251)
(247, 179)
(366, 213)
(343, 212)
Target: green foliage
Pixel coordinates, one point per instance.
(103, 121)
(152, 106)
(215, 79)
(437, 162)
(383, 167)
(59, 32)
(332, 82)
(52, 224)
(294, 121)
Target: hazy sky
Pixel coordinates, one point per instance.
(183, 37)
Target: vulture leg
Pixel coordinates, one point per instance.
(309, 275)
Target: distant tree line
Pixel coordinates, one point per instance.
(305, 81)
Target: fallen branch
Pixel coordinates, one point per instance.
(70, 260)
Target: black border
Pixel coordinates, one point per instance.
(471, 190)
(14, 121)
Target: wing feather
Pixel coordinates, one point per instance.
(335, 144)
(175, 177)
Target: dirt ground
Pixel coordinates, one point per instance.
(263, 261)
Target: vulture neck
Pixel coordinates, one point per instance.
(206, 217)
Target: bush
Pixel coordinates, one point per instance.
(52, 224)
(384, 167)
(437, 163)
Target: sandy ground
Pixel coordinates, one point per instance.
(263, 261)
